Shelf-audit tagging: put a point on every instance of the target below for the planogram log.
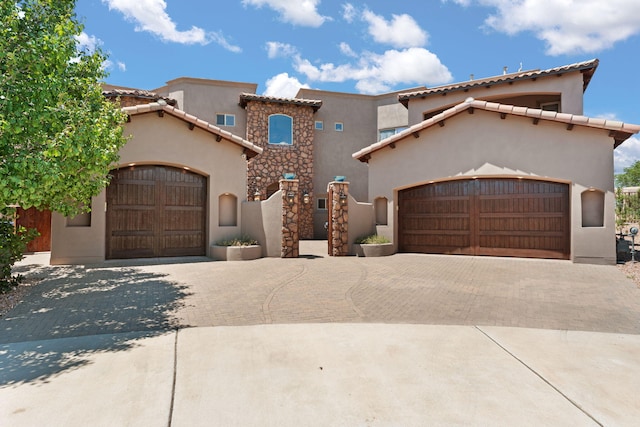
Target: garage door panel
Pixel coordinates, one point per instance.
(506, 217)
(155, 211)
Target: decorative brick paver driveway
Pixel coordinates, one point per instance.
(403, 288)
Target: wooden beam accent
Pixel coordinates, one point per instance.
(536, 120)
(392, 145)
(441, 123)
(503, 116)
(160, 113)
(218, 138)
(612, 133)
(470, 110)
(128, 118)
(416, 134)
(570, 126)
(365, 158)
(191, 126)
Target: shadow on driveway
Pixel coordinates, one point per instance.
(103, 309)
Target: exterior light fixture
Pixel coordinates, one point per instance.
(256, 196)
(291, 197)
(306, 198)
(343, 198)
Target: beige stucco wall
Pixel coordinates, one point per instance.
(205, 98)
(262, 220)
(362, 221)
(569, 86)
(362, 116)
(160, 141)
(483, 144)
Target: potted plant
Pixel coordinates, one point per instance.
(236, 249)
(373, 245)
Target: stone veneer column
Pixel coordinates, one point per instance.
(290, 247)
(339, 230)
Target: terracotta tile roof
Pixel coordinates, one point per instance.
(136, 93)
(246, 97)
(251, 150)
(618, 130)
(587, 68)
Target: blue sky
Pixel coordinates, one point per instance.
(371, 47)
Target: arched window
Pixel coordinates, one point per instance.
(592, 208)
(380, 207)
(280, 129)
(227, 210)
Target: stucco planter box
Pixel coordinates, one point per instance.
(236, 253)
(373, 249)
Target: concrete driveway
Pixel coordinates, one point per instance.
(402, 340)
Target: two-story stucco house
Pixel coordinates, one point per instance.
(506, 165)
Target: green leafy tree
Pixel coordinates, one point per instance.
(58, 135)
(630, 177)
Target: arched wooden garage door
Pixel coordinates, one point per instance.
(155, 211)
(501, 217)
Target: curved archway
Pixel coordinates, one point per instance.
(592, 201)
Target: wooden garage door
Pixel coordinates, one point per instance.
(502, 217)
(155, 211)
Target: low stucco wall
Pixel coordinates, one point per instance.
(362, 221)
(484, 145)
(263, 221)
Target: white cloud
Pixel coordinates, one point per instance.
(122, 66)
(87, 43)
(284, 86)
(568, 26)
(151, 16)
(346, 50)
(401, 31)
(464, 3)
(348, 12)
(278, 50)
(375, 73)
(626, 154)
(300, 12)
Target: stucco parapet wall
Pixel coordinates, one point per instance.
(251, 149)
(247, 97)
(618, 130)
(587, 68)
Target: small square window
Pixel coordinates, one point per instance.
(339, 127)
(322, 204)
(319, 125)
(225, 120)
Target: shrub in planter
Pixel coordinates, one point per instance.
(372, 239)
(237, 241)
(236, 249)
(372, 246)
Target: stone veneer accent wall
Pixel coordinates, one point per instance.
(269, 167)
